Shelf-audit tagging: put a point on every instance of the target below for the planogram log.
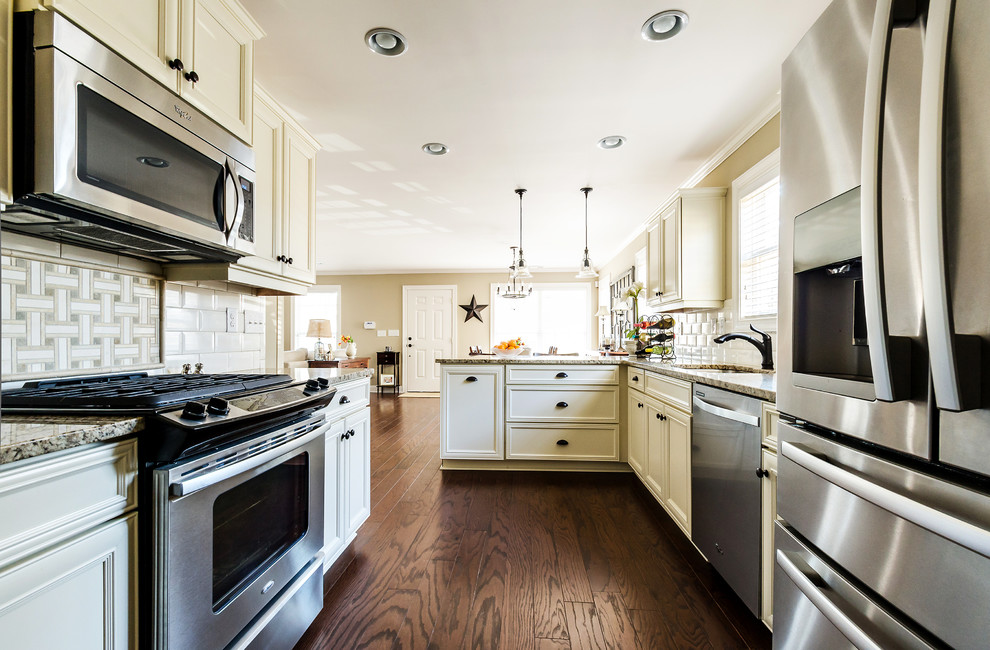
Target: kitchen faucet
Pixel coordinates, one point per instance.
(765, 347)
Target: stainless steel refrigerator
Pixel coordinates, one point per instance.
(884, 379)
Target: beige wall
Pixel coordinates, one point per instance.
(378, 298)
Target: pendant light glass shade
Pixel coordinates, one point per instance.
(516, 286)
(586, 270)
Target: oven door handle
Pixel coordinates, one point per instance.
(203, 481)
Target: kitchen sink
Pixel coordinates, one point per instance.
(724, 367)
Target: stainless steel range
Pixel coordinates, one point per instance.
(231, 500)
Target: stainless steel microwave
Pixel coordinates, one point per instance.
(107, 158)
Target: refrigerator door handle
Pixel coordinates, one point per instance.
(954, 359)
(886, 383)
(951, 528)
(829, 609)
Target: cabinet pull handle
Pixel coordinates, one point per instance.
(635, 377)
(561, 375)
(471, 378)
(175, 64)
(344, 400)
(191, 76)
(562, 405)
(562, 443)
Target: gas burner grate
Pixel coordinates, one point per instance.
(134, 391)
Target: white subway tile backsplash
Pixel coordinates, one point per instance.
(213, 321)
(242, 360)
(229, 342)
(173, 295)
(197, 298)
(173, 343)
(215, 362)
(226, 300)
(178, 319)
(197, 342)
(253, 342)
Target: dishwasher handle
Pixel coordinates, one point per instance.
(728, 414)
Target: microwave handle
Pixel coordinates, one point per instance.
(234, 224)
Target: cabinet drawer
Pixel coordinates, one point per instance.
(50, 498)
(556, 442)
(571, 375)
(636, 378)
(673, 391)
(574, 404)
(349, 396)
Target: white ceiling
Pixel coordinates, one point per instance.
(520, 91)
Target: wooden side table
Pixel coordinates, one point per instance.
(323, 363)
(389, 358)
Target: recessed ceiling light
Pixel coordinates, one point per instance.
(664, 25)
(386, 42)
(435, 148)
(612, 142)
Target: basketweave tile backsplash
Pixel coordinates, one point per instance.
(64, 318)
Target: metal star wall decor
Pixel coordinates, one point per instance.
(473, 309)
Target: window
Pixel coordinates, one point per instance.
(322, 301)
(558, 314)
(757, 214)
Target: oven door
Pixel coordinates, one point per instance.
(106, 162)
(233, 531)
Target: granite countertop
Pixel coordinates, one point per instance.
(25, 436)
(335, 375)
(762, 385)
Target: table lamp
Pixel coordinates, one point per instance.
(319, 328)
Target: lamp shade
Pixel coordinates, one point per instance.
(602, 312)
(319, 328)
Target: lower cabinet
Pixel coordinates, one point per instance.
(347, 496)
(68, 549)
(472, 412)
(78, 594)
(659, 448)
(769, 516)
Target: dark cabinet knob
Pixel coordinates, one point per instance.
(175, 64)
(635, 377)
(280, 258)
(562, 405)
(659, 417)
(289, 260)
(663, 418)
(640, 405)
(191, 76)
(344, 400)
(762, 473)
(561, 375)
(471, 378)
(562, 443)
(218, 406)
(350, 433)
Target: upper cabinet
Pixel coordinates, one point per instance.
(284, 209)
(201, 49)
(686, 251)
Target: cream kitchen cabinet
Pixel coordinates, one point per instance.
(347, 482)
(68, 536)
(769, 516)
(686, 251)
(472, 423)
(659, 442)
(284, 209)
(203, 50)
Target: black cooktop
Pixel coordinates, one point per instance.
(137, 392)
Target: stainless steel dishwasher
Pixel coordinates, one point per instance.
(725, 487)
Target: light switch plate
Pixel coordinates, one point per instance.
(231, 319)
(381, 332)
(393, 332)
(369, 324)
(254, 322)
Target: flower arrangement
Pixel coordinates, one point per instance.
(633, 292)
(344, 340)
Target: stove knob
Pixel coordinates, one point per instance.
(312, 384)
(194, 411)
(324, 382)
(218, 406)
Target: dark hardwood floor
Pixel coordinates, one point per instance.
(515, 560)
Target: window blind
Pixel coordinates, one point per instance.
(759, 216)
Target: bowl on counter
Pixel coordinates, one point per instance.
(507, 353)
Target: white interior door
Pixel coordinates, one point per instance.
(427, 335)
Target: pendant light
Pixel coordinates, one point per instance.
(521, 270)
(516, 286)
(587, 271)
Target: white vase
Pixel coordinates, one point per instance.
(351, 350)
(629, 345)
